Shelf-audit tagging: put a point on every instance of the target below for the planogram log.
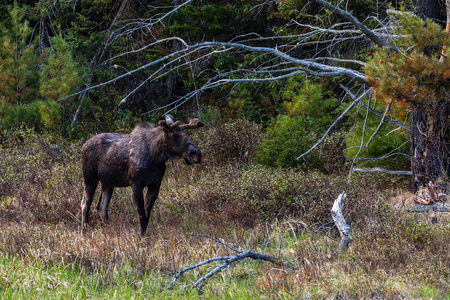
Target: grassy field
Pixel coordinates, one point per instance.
(277, 212)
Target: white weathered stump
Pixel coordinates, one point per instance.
(342, 226)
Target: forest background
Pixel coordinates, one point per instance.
(250, 190)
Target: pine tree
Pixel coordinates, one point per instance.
(61, 75)
(19, 75)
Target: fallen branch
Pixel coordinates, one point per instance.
(438, 207)
(228, 260)
(369, 170)
(343, 227)
(241, 256)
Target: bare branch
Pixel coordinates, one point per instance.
(147, 25)
(353, 61)
(241, 256)
(388, 119)
(180, 273)
(355, 101)
(309, 66)
(379, 125)
(382, 170)
(364, 128)
(369, 33)
(399, 12)
(216, 240)
(228, 260)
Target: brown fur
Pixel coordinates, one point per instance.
(138, 160)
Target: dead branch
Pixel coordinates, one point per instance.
(241, 256)
(369, 33)
(369, 170)
(216, 240)
(228, 260)
(309, 67)
(379, 115)
(343, 227)
(355, 101)
(438, 207)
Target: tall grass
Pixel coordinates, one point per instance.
(274, 211)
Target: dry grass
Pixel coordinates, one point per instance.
(274, 211)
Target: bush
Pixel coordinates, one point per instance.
(232, 142)
(289, 137)
(286, 138)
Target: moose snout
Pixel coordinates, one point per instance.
(194, 155)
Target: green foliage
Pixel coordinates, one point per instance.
(390, 141)
(309, 111)
(415, 73)
(61, 74)
(19, 77)
(286, 138)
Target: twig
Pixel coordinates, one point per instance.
(73, 217)
(355, 101)
(379, 115)
(214, 239)
(320, 228)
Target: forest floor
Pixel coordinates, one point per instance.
(393, 253)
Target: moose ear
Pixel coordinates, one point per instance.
(168, 126)
(169, 119)
(193, 123)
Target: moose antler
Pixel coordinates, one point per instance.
(169, 123)
(193, 123)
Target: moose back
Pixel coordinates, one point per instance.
(138, 160)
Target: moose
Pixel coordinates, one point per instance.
(138, 160)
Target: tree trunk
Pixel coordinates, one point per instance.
(430, 126)
(430, 135)
(428, 9)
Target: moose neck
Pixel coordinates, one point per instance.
(157, 145)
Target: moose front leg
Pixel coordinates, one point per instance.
(151, 196)
(138, 198)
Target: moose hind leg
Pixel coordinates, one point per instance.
(104, 202)
(88, 196)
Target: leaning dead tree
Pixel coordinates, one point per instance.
(407, 69)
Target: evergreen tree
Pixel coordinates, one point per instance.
(19, 75)
(61, 75)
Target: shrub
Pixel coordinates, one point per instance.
(232, 142)
(288, 137)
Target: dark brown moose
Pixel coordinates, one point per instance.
(138, 160)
